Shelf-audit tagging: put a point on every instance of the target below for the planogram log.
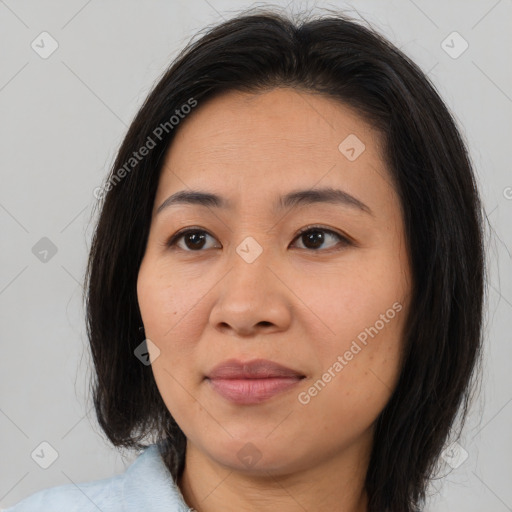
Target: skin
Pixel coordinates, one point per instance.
(295, 304)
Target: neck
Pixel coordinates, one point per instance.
(336, 485)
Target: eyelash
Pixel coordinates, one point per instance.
(180, 234)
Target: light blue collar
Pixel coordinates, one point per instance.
(148, 485)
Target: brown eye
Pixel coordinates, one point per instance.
(314, 237)
(194, 239)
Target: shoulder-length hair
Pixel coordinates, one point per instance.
(426, 156)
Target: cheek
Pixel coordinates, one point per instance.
(170, 310)
(166, 301)
(174, 315)
(356, 380)
(346, 301)
(362, 310)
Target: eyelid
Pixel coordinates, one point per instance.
(344, 239)
(321, 228)
(174, 238)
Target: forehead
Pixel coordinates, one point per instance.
(247, 145)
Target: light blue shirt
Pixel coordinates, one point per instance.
(146, 484)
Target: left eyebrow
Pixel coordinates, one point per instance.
(293, 199)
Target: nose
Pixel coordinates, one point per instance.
(251, 299)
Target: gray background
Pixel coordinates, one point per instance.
(62, 119)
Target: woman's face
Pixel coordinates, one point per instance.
(329, 304)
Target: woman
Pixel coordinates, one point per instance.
(285, 285)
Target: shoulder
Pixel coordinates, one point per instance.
(88, 496)
(146, 485)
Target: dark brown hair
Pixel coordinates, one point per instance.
(342, 59)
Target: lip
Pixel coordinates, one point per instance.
(253, 381)
(255, 369)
